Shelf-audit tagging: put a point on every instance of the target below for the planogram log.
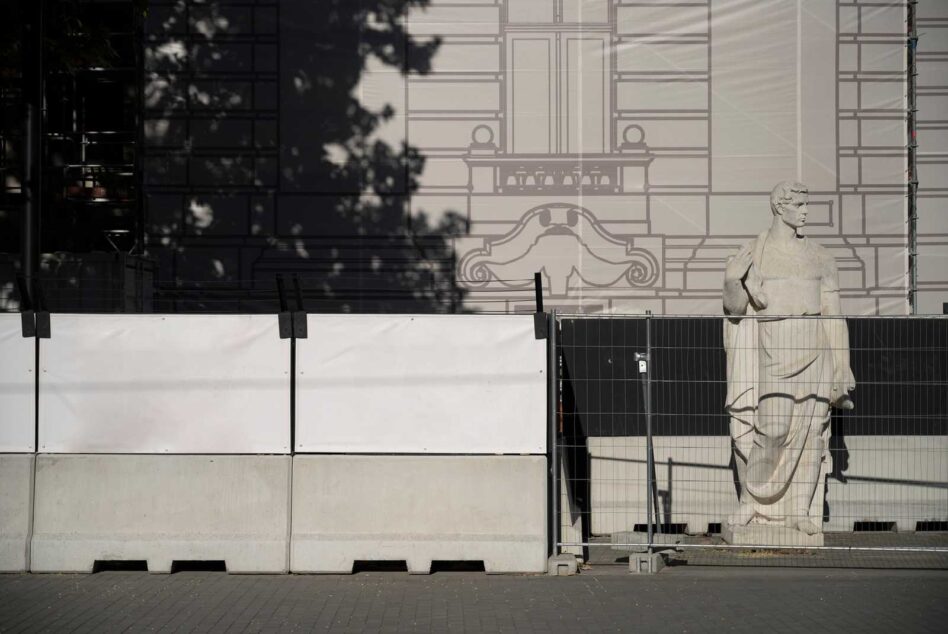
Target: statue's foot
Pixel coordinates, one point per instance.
(807, 527)
(743, 515)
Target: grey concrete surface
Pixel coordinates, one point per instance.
(674, 600)
(16, 478)
(419, 509)
(161, 509)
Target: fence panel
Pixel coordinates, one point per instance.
(873, 480)
(164, 384)
(428, 384)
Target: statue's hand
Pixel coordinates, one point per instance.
(843, 383)
(737, 265)
(755, 287)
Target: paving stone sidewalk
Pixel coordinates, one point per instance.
(683, 599)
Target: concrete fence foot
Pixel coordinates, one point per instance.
(646, 563)
(562, 565)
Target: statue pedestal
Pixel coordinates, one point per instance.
(772, 535)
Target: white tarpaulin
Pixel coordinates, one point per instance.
(459, 384)
(165, 384)
(17, 386)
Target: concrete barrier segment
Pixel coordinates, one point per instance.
(16, 509)
(161, 509)
(419, 509)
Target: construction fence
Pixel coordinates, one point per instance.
(667, 424)
(310, 443)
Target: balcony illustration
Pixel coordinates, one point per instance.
(558, 175)
(494, 172)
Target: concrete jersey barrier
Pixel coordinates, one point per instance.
(161, 509)
(419, 509)
(16, 509)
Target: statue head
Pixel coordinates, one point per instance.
(788, 200)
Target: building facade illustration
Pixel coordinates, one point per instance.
(624, 149)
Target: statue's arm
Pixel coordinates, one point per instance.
(736, 297)
(837, 332)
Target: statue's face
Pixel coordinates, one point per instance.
(794, 212)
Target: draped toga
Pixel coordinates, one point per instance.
(788, 358)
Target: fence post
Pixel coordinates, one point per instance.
(552, 413)
(643, 360)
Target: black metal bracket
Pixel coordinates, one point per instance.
(43, 327)
(299, 323)
(540, 329)
(28, 323)
(540, 321)
(285, 320)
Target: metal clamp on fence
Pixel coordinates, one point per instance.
(540, 330)
(292, 323)
(34, 318)
(642, 359)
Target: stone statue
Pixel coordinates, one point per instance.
(786, 366)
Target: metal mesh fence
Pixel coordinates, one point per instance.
(734, 442)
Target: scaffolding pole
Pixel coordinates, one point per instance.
(911, 46)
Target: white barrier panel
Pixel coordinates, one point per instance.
(17, 386)
(419, 509)
(421, 384)
(165, 384)
(16, 491)
(161, 509)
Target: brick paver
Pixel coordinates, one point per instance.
(680, 599)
